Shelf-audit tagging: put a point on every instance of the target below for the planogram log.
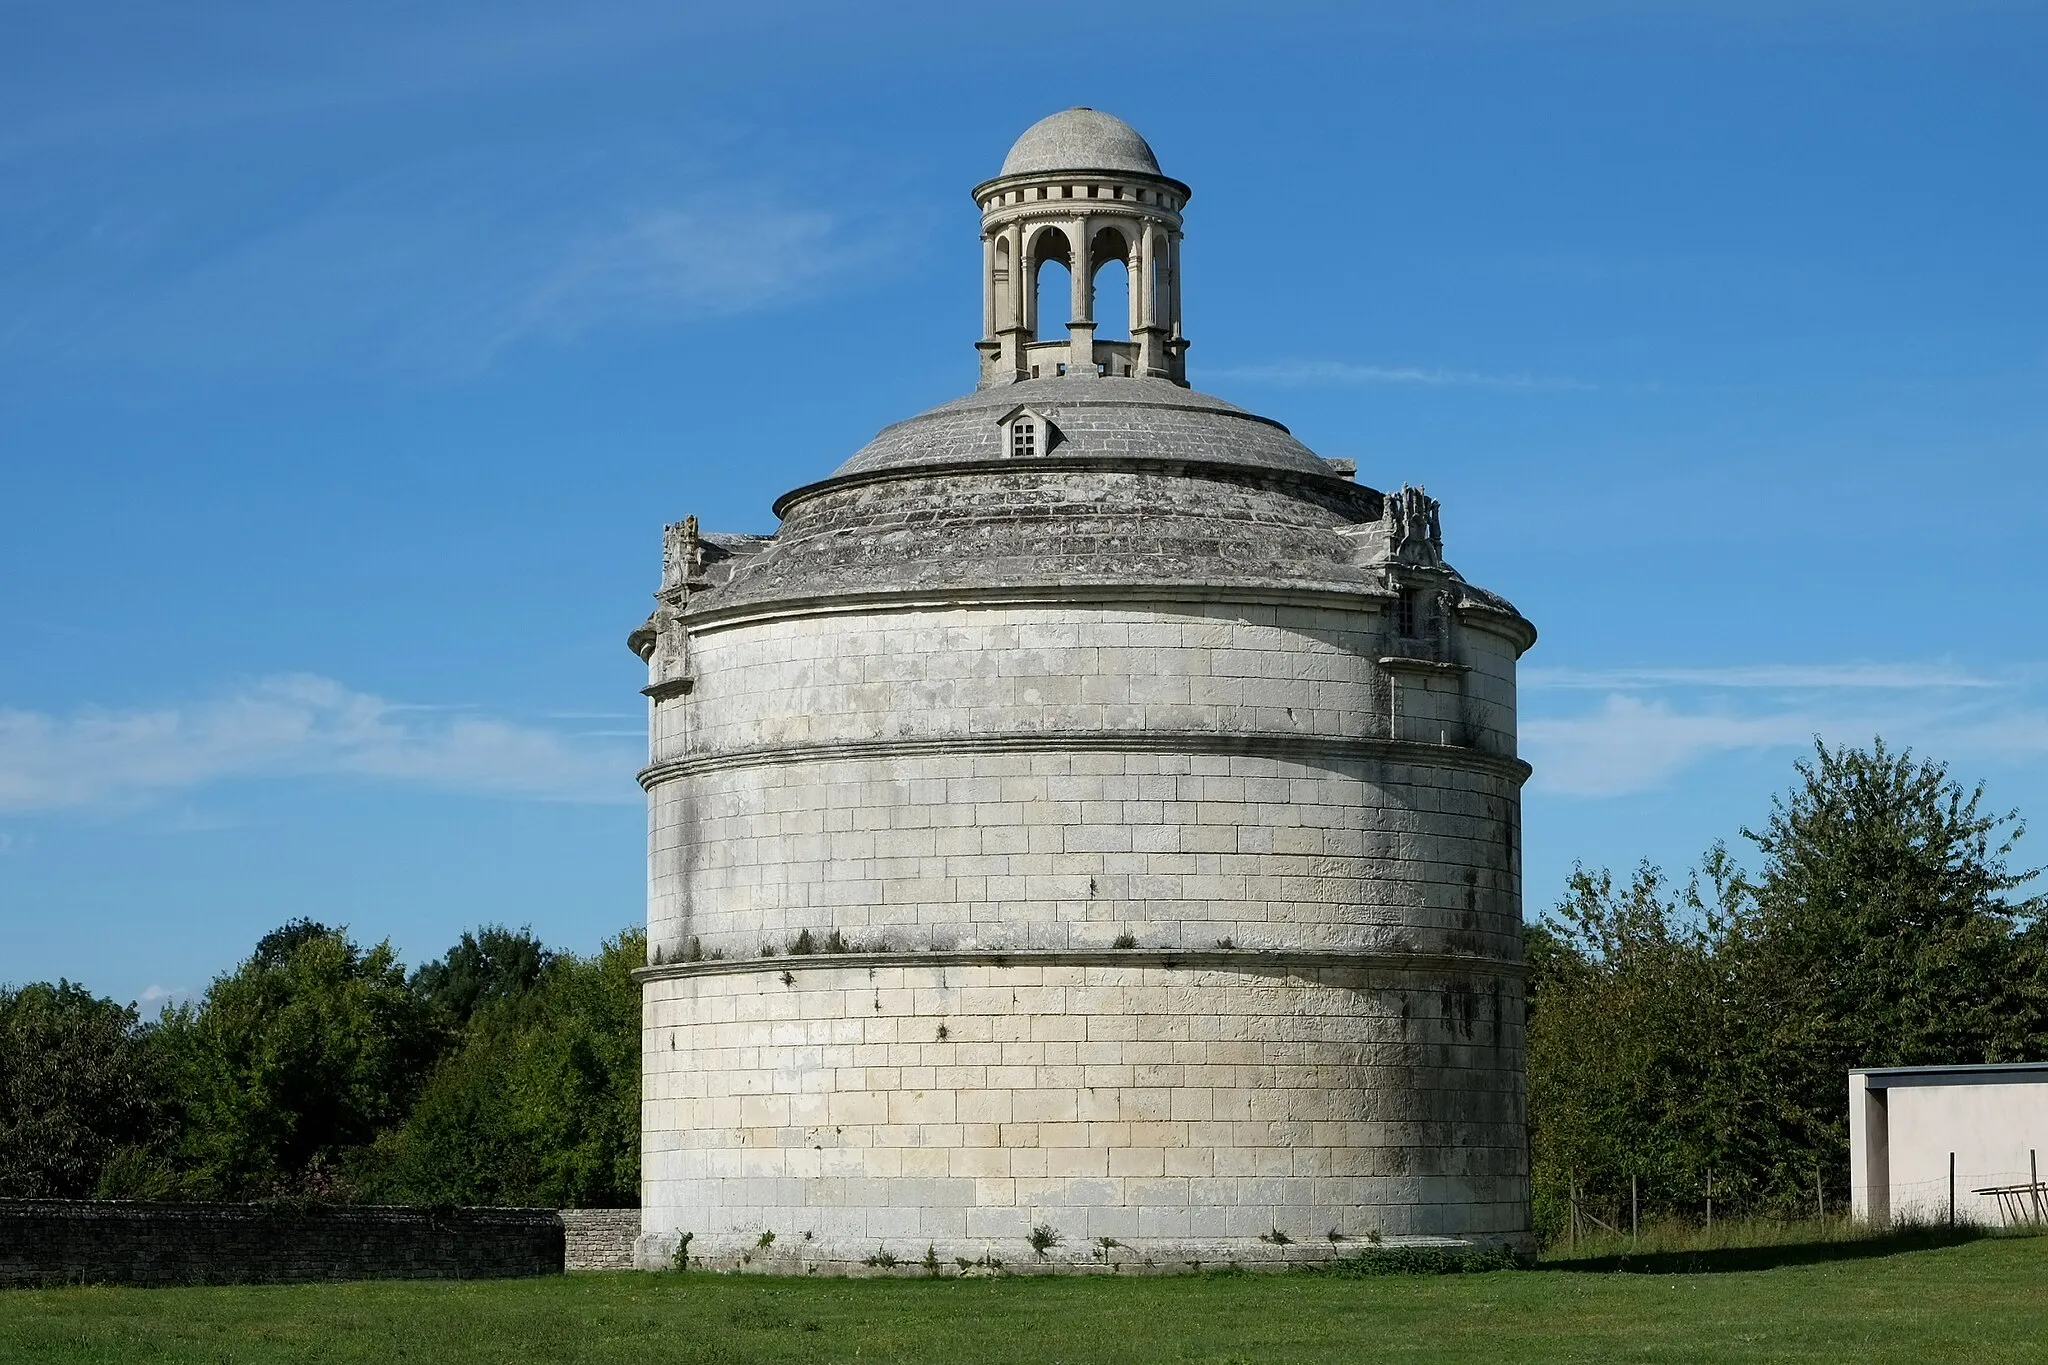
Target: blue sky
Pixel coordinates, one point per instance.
(352, 356)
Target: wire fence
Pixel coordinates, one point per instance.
(2011, 1198)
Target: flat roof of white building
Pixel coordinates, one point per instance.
(1975, 1073)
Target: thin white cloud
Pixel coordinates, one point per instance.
(296, 725)
(1345, 374)
(1653, 724)
(155, 999)
(1893, 677)
(683, 261)
(1632, 745)
(440, 268)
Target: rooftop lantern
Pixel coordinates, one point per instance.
(1083, 189)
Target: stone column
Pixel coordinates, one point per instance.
(1131, 295)
(1145, 306)
(1027, 299)
(1013, 314)
(1081, 329)
(1176, 358)
(989, 285)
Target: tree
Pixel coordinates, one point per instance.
(579, 1093)
(491, 964)
(1885, 932)
(1713, 1030)
(541, 1102)
(1634, 1069)
(79, 1087)
(300, 1057)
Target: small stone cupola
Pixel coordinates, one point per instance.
(1083, 189)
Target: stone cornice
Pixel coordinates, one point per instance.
(1278, 746)
(1403, 663)
(1124, 593)
(1368, 499)
(1071, 173)
(1201, 959)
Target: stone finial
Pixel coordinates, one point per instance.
(668, 661)
(682, 554)
(661, 642)
(1414, 529)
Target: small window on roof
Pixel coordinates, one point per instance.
(1025, 434)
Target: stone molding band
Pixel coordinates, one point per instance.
(1191, 592)
(1223, 471)
(1286, 747)
(1180, 592)
(1204, 959)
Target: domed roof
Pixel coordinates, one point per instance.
(1141, 482)
(1125, 419)
(1080, 139)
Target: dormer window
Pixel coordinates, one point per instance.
(1025, 434)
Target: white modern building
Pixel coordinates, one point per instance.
(1930, 1142)
(1087, 830)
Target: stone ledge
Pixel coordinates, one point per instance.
(1247, 960)
(1113, 592)
(1275, 746)
(1400, 663)
(1272, 476)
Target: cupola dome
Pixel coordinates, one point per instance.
(1081, 139)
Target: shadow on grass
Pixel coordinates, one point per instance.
(1721, 1260)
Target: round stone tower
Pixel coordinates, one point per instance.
(1086, 830)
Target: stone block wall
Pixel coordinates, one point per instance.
(93, 1242)
(1074, 849)
(1182, 1109)
(1165, 667)
(1053, 777)
(1129, 856)
(600, 1239)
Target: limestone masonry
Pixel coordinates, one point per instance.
(1086, 832)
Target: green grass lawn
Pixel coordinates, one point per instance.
(1980, 1301)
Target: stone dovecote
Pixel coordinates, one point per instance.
(1095, 843)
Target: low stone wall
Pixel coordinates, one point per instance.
(65, 1242)
(600, 1239)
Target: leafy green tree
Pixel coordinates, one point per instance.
(580, 1089)
(1885, 932)
(297, 1059)
(491, 964)
(79, 1088)
(1635, 1072)
(541, 1102)
(1711, 1031)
